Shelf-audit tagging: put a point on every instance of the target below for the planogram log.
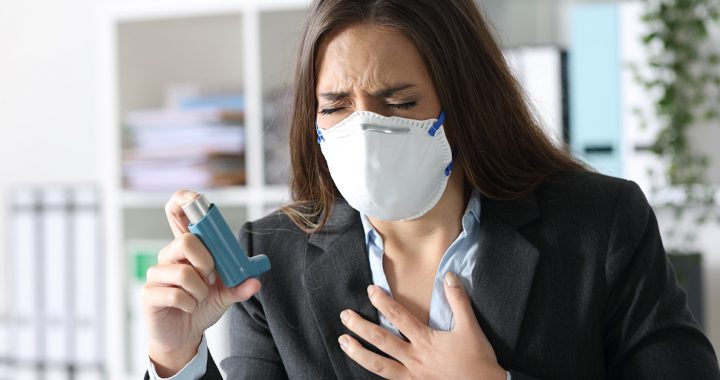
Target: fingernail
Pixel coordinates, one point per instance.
(344, 315)
(190, 195)
(211, 278)
(370, 290)
(343, 340)
(452, 280)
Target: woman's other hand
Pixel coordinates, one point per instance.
(183, 296)
(462, 353)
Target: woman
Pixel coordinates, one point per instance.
(420, 175)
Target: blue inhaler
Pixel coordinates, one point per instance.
(231, 262)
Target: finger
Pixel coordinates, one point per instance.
(179, 275)
(240, 293)
(188, 248)
(175, 215)
(397, 314)
(459, 302)
(377, 364)
(375, 335)
(161, 297)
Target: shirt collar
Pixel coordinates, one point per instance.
(471, 217)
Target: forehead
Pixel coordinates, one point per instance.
(368, 57)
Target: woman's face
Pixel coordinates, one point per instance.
(365, 67)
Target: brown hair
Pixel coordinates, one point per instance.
(501, 149)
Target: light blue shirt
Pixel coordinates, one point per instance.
(459, 258)
(192, 371)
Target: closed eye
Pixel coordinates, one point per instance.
(403, 106)
(396, 106)
(328, 111)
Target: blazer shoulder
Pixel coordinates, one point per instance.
(589, 188)
(584, 202)
(278, 230)
(276, 221)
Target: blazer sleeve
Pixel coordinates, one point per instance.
(253, 354)
(649, 330)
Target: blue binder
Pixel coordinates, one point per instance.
(595, 98)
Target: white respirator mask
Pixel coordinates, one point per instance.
(388, 168)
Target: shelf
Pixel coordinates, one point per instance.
(239, 196)
(145, 45)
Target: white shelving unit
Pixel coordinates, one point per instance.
(265, 34)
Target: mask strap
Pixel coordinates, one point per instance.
(320, 138)
(449, 168)
(437, 124)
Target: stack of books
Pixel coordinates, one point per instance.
(196, 141)
(276, 136)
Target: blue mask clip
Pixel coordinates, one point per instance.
(320, 138)
(437, 124)
(449, 167)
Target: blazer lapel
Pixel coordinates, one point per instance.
(337, 272)
(335, 276)
(504, 272)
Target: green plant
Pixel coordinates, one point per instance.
(684, 73)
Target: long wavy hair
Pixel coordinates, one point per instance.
(501, 148)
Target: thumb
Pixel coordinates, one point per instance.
(459, 301)
(239, 293)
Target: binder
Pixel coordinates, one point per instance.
(540, 70)
(25, 373)
(55, 263)
(606, 129)
(87, 283)
(594, 67)
(55, 371)
(90, 374)
(4, 334)
(55, 310)
(5, 350)
(25, 294)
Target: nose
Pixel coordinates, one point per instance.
(367, 102)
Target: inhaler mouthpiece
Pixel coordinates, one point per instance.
(197, 208)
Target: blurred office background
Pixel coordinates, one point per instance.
(108, 106)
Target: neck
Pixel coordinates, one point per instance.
(430, 235)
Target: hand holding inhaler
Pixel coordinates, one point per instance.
(182, 296)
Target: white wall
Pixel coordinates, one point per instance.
(47, 113)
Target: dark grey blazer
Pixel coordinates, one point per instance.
(571, 282)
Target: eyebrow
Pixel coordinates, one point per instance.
(384, 93)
